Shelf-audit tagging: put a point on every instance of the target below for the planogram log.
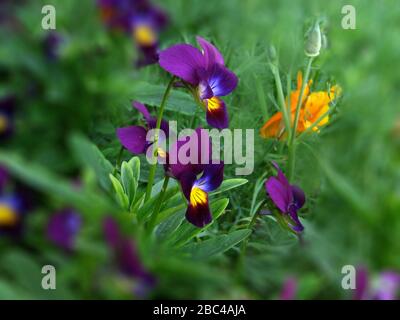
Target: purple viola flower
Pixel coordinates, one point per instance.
(133, 138)
(289, 289)
(287, 198)
(63, 227)
(198, 177)
(11, 214)
(206, 74)
(386, 286)
(141, 19)
(7, 110)
(51, 45)
(127, 258)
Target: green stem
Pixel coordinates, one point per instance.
(118, 163)
(159, 202)
(292, 137)
(153, 166)
(281, 97)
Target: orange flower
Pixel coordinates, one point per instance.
(313, 106)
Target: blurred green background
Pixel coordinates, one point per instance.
(351, 178)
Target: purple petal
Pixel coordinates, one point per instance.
(205, 91)
(4, 177)
(183, 61)
(212, 177)
(278, 193)
(164, 126)
(299, 197)
(198, 212)
(63, 228)
(187, 181)
(361, 290)
(388, 286)
(295, 223)
(217, 115)
(199, 147)
(133, 138)
(289, 289)
(142, 109)
(111, 232)
(221, 80)
(211, 53)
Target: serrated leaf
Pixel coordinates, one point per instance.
(216, 245)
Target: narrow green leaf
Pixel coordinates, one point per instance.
(216, 245)
(122, 198)
(230, 184)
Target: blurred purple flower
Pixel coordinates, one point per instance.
(63, 227)
(4, 178)
(287, 198)
(289, 289)
(140, 18)
(386, 287)
(7, 110)
(127, 258)
(196, 178)
(51, 45)
(11, 214)
(133, 138)
(206, 74)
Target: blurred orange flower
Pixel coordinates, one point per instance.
(313, 106)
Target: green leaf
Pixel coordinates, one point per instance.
(40, 178)
(169, 226)
(122, 198)
(134, 163)
(152, 94)
(216, 245)
(128, 181)
(87, 154)
(230, 184)
(188, 231)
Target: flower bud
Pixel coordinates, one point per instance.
(313, 42)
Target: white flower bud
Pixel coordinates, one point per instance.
(313, 42)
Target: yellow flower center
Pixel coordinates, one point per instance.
(8, 217)
(213, 104)
(198, 197)
(144, 35)
(3, 123)
(161, 153)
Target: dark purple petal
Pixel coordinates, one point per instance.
(4, 177)
(295, 223)
(183, 61)
(217, 115)
(111, 232)
(198, 212)
(211, 53)
(205, 91)
(142, 109)
(299, 198)
(63, 227)
(361, 290)
(221, 80)
(212, 177)
(164, 126)
(187, 181)
(133, 138)
(198, 149)
(278, 193)
(51, 45)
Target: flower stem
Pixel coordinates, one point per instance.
(159, 202)
(292, 137)
(153, 166)
(281, 97)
